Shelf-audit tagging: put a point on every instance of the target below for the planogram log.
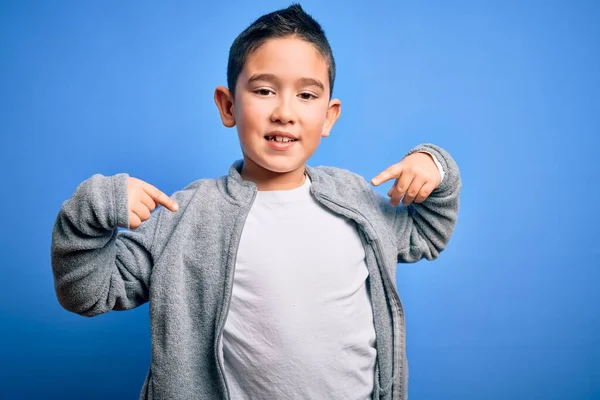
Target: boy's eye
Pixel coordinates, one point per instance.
(307, 96)
(263, 92)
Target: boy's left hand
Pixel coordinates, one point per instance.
(416, 177)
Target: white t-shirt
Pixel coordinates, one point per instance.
(300, 323)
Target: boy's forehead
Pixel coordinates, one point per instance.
(286, 57)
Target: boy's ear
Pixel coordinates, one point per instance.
(333, 113)
(224, 102)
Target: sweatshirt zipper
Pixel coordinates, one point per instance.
(399, 342)
(397, 308)
(227, 300)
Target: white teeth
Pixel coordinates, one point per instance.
(280, 139)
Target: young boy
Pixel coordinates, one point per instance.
(277, 280)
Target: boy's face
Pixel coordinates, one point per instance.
(282, 92)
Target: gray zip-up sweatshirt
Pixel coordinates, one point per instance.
(183, 263)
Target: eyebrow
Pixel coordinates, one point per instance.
(273, 78)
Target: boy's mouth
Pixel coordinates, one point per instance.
(281, 139)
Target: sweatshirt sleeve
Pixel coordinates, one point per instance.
(423, 230)
(96, 266)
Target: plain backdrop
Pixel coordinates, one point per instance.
(511, 88)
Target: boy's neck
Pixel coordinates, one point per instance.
(267, 180)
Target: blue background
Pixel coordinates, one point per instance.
(511, 88)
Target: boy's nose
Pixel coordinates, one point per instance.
(283, 113)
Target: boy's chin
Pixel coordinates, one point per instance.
(282, 167)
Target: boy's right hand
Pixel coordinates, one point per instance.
(143, 198)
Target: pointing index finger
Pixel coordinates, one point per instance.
(160, 198)
(391, 173)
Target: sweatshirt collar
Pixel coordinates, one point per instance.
(242, 191)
